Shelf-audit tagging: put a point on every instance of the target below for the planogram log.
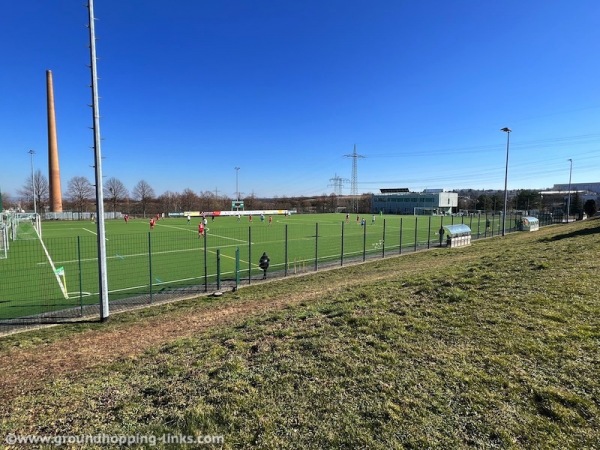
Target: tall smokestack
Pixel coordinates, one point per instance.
(53, 166)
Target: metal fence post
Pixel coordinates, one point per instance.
(316, 246)
(342, 253)
(400, 246)
(218, 269)
(205, 264)
(487, 221)
(249, 254)
(237, 268)
(416, 232)
(383, 241)
(286, 257)
(429, 234)
(365, 242)
(80, 276)
(150, 262)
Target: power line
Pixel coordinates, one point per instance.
(354, 181)
(337, 184)
(532, 144)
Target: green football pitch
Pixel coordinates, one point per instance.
(60, 271)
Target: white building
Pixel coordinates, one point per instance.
(401, 201)
(585, 191)
(591, 187)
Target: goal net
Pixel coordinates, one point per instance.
(25, 226)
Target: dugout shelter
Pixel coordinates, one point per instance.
(529, 224)
(457, 235)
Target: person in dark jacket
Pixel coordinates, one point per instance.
(263, 263)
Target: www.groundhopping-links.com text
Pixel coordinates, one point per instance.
(113, 439)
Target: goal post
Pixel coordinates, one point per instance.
(25, 226)
(3, 241)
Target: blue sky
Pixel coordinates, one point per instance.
(283, 90)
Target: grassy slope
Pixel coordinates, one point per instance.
(497, 344)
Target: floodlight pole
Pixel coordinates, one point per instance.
(237, 189)
(507, 131)
(32, 152)
(569, 197)
(102, 270)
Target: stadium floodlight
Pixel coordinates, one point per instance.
(101, 229)
(569, 197)
(32, 152)
(507, 131)
(237, 189)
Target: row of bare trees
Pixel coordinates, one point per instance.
(80, 196)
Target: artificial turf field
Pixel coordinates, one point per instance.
(60, 271)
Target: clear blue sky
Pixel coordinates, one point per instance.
(284, 89)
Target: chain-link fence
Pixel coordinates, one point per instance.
(56, 279)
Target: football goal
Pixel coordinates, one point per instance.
(3, 241)
(25, 226)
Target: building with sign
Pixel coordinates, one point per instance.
(428, 202)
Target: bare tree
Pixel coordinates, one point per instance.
(5, 201)
(170, 201)
(41, 190)
(80, 191)
(364, 203)
(250, 201)
(224, 203)
(333, 202)
(189, 200)
(115, 191)
(207, 201)
(143, 193)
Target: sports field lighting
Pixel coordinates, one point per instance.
(237, 189)
(507, 131)
(101, 231)
(569, 197)
(32, 152)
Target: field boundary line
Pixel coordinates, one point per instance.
(90, 231)
(60, 283)
(137, 255)
(194, 231)
(177, 228)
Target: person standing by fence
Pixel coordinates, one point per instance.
(263, 263)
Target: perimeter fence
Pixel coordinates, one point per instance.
(56, 279)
